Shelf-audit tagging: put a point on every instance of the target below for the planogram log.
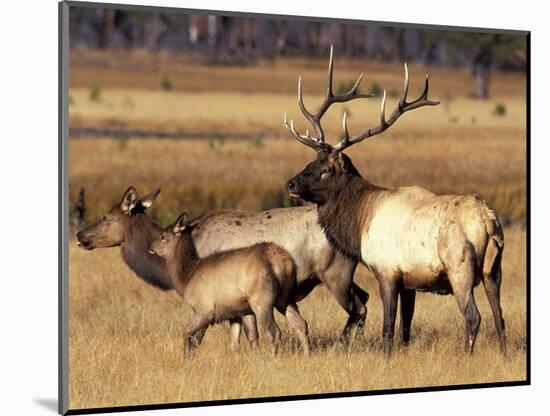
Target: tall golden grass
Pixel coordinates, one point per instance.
(126, 342)
(198, 175)
(125, 336)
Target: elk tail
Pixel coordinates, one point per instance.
(495, 245)
(492, 273)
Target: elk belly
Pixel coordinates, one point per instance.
(420, 264)
(221, 298)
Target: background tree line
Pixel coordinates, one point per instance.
(236, 40)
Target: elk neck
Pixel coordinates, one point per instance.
(347, 213)
(184, 262)
(141, 232)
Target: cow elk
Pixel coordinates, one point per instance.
(230, 284)
(127, 225)
(408, 237)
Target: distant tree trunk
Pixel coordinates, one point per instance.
(399, 49)
(265, 37)
(225, 34)
(248, 35)
(336, 35)
(212, 33)
(107, 27)
(324, 40)
(372, 47)
(157, 29)
(482, 70)
(482, 81)
(412, 44)
(193, 29)
(281, 37)
(347, 32)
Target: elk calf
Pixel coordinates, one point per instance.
(230, 284)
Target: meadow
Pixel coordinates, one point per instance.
(125, 336)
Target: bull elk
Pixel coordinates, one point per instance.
(230, 284)
(408, 237)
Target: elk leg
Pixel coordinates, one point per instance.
(194, 334)
(305, 288)
(250, 329)
(467, 305)
(491, 283)
(408, 297)
(388, 293)
(460, 263)
(270, 330)
(352, 299)
(299, 325)
(360, 298)
(236, 326)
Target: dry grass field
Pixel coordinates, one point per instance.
(125, 342)
(125, 336)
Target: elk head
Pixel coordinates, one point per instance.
(111, 228)
(166, 244)
(322, 178)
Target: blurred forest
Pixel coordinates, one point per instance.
(240, 41)
(206, 95)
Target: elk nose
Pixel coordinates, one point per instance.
(290, 186)
(81, 240)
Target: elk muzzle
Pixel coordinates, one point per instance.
(83, 241)
(293, 188)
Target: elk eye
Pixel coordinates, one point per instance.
(104, 218)
(162, 238)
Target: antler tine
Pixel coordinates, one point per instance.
(420, 101)
(401, 108)
(383, 110)
(403, 99)
(330, 98)
(304, 139)
(330, 72)
(345, 126)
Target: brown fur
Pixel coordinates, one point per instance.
(296, 230)
(133, 231)
(230, 284)
(344, 217)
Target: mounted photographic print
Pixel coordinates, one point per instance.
(261, 208)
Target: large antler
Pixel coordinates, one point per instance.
(401, 108)
(318, 142)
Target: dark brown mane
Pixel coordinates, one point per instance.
(343, 215)
(135, 252)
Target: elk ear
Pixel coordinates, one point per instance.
(149, 199)
(344, 163)
(180, 223)
(129, 200)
